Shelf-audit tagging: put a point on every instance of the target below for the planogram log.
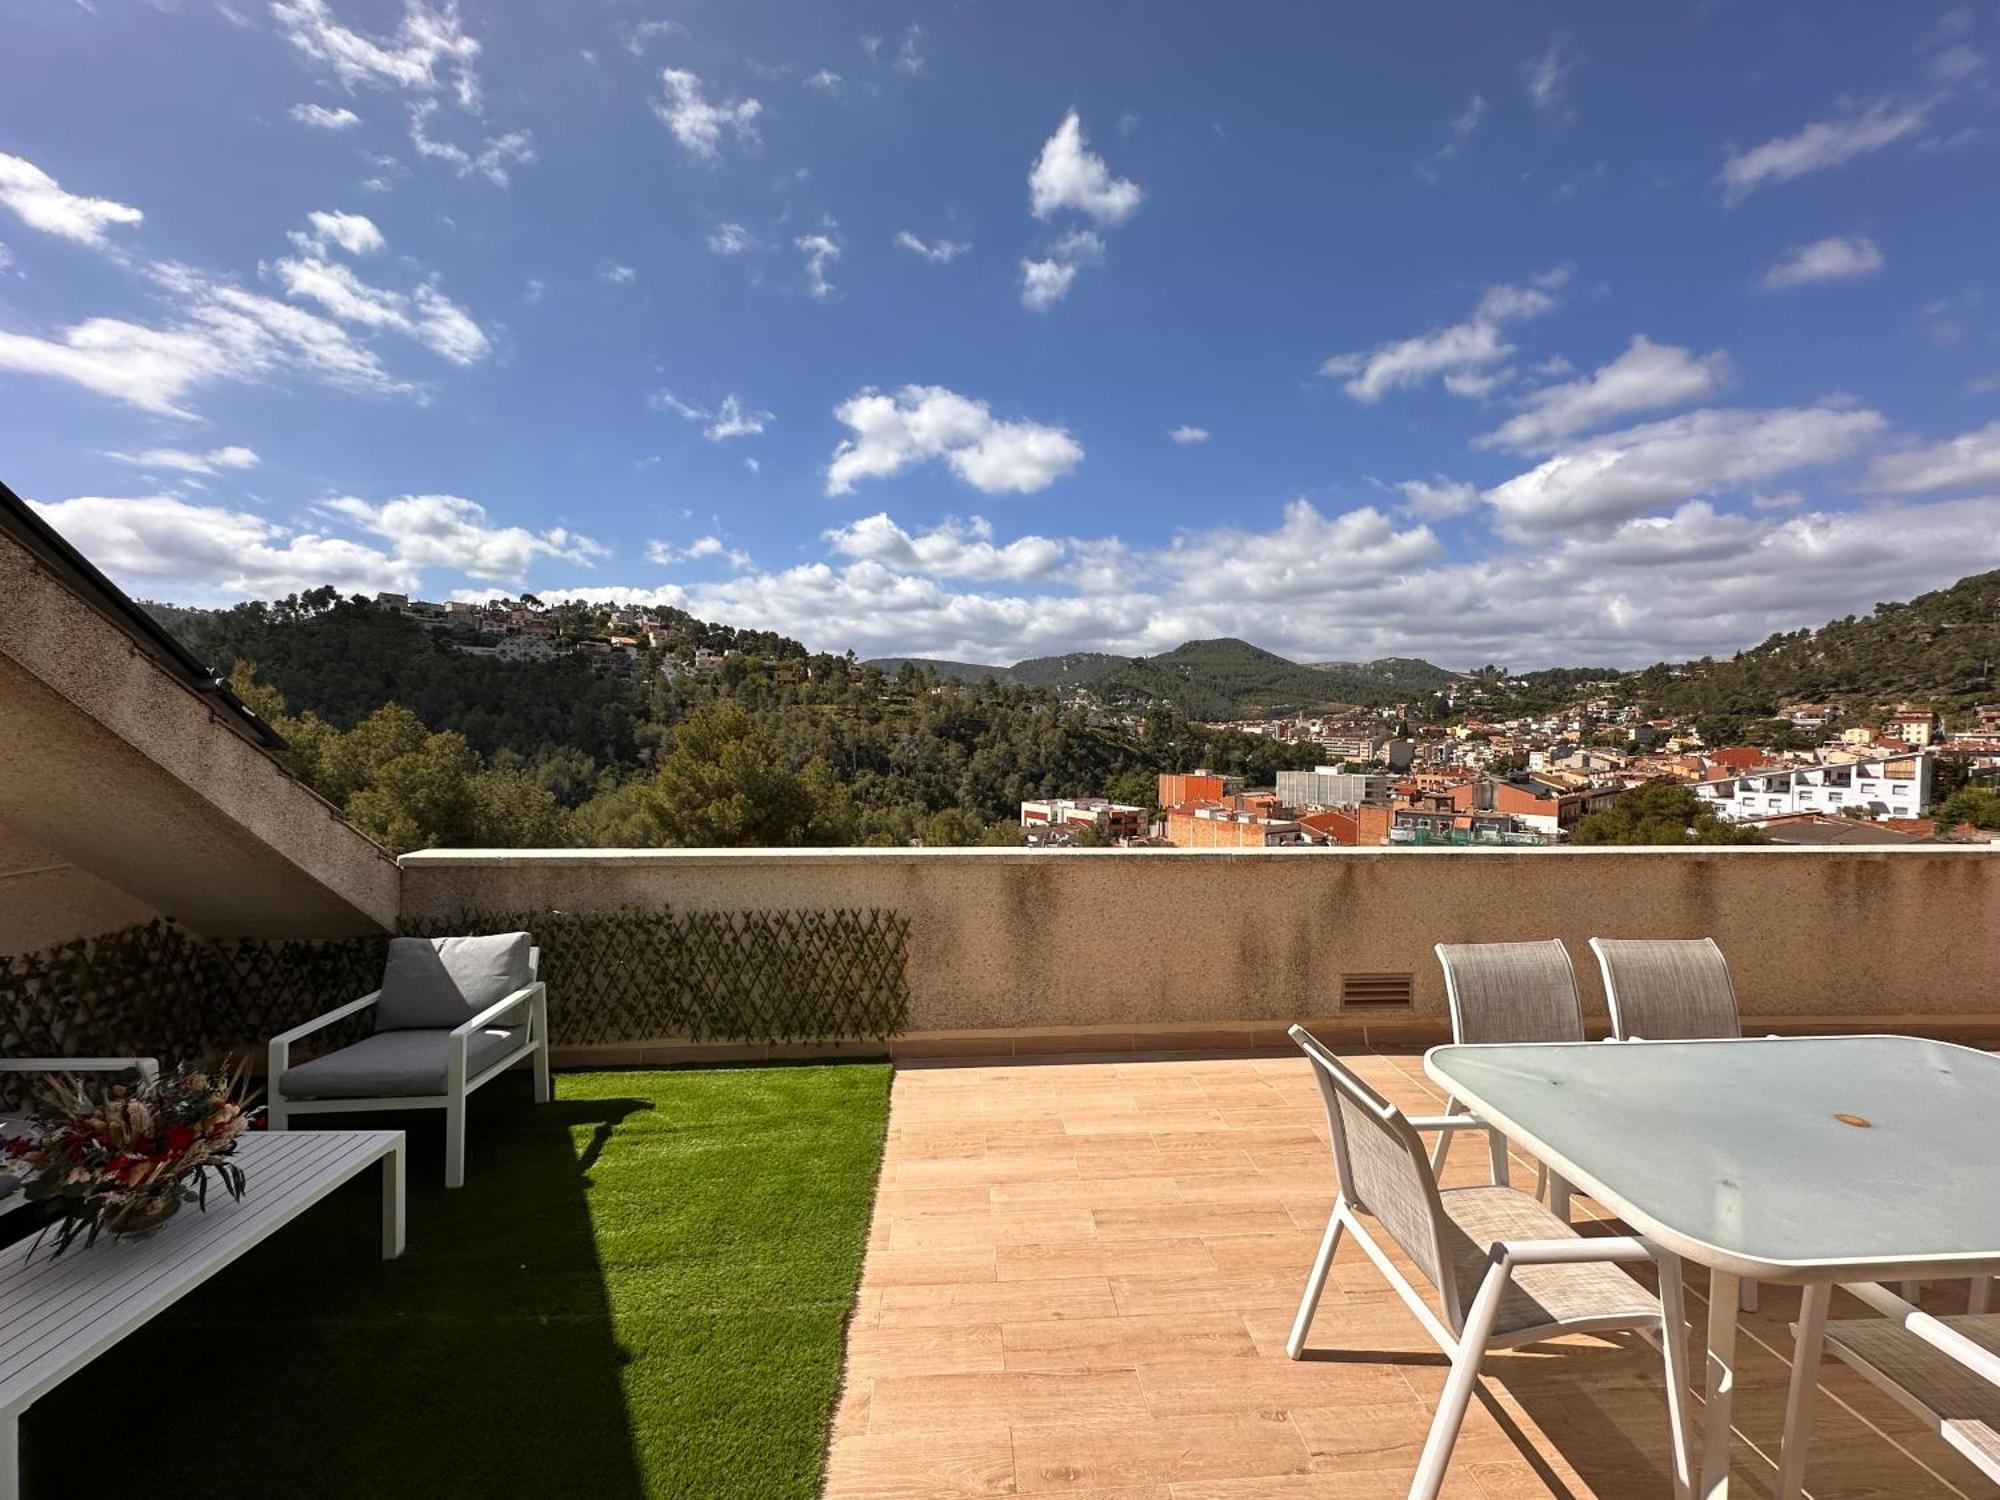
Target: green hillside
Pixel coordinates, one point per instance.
(1408, 674)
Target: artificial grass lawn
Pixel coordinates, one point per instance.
(641, 1290)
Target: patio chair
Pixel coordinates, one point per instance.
(1671, 990)
(452, 1015)
(1505, 1270)
(1946, 1371)
(1509, 992)
(1667, 990)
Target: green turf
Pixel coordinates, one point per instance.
(640, 1291)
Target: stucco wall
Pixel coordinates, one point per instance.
(1018, 940)
(46, 900)
(113, 765)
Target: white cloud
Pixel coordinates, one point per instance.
(494, 160)
(1836, 258)
(1047, 281)
(611, 273)
(185, 462)
(42, 204)
(1663, 463)
(730, 239)
(220, 332)
(354, 233)
(1822, 144)
(731, 418)
(924, 422)
(908, 59)
(1297, 560)
(1970, 460)
(1068, 175)
(666, 553)
(425, 315)
(319, 117)
(949, 550)
(166, 547)
(820, 250)
(643, 34)
(826, 81)
(1646, 377)
(1437, 497)
(429, 51)
(1464, 126)
(1546, 75)
(449, 531)
(1185, 434)
(698, 125)
(1463, 354)
(938, 252)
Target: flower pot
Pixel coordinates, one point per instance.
(135, 1221)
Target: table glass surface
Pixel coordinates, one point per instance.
(1740, 1144)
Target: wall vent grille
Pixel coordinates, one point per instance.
(1377, 991)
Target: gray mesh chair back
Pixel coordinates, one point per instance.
(1667, 990)
(1382, 1167)
(1511, 992)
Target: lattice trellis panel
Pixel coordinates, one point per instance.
(628, 974)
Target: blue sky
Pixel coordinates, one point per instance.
(1539, 334)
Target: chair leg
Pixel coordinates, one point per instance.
(1445, 1137)
(1913, 1293)
(1315, 1284)
(454, 1143)
(1496, 1150)
(1680, 1375)
(1979, 1295)
(1746, 1295)
(542, 1094)
(1458, 1387)
(276, 1116)
(1559, 1196)
(1805, 1387)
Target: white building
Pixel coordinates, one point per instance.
(1328, 786)
(1892, 786)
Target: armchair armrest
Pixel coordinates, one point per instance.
(1574, 1251)
(1445, 1122)
(320, 1023)
(494, 1011)
(145, 1067)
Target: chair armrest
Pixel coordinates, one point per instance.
(1445, 1122)
(494, 1011)
(145, 1067)
(319, 1023)
(1574, 1251)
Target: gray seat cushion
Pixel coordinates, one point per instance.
(432, 982)
(396, 1064)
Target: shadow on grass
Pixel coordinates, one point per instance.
(484, 1362)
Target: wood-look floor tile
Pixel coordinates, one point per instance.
(1110, 1342)
(938, 1403)
(925, 1349)
(1059, 1459)
(1105, 1258)
(1022, 1302)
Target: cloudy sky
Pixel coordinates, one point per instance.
(1535, 333)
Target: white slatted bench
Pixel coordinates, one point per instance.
(57, 1314)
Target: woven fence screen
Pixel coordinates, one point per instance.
(626, 974)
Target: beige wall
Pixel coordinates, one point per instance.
(113, 766)
(1007, 939)
(46, 900)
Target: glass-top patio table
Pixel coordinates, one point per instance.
(1810, 1160)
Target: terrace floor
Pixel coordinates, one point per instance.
(1079, 1279)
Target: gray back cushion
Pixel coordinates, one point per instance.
(432, 983)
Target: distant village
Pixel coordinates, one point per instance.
(1398, 775)
(1530, 781)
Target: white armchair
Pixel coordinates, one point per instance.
(452, 1015)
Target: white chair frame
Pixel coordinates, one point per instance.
(458, 1087)
(1466, 1346)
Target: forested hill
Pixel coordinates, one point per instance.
(423, 745)
(1212, 680)
(1940, 649)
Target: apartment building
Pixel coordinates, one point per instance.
(1329, 786)
(1914, 726)
(1195, 827)
(1893, 786)
(1114, 820)
(1195, 786)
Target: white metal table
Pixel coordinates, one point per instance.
(1810, 1160)
(57, 1313)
